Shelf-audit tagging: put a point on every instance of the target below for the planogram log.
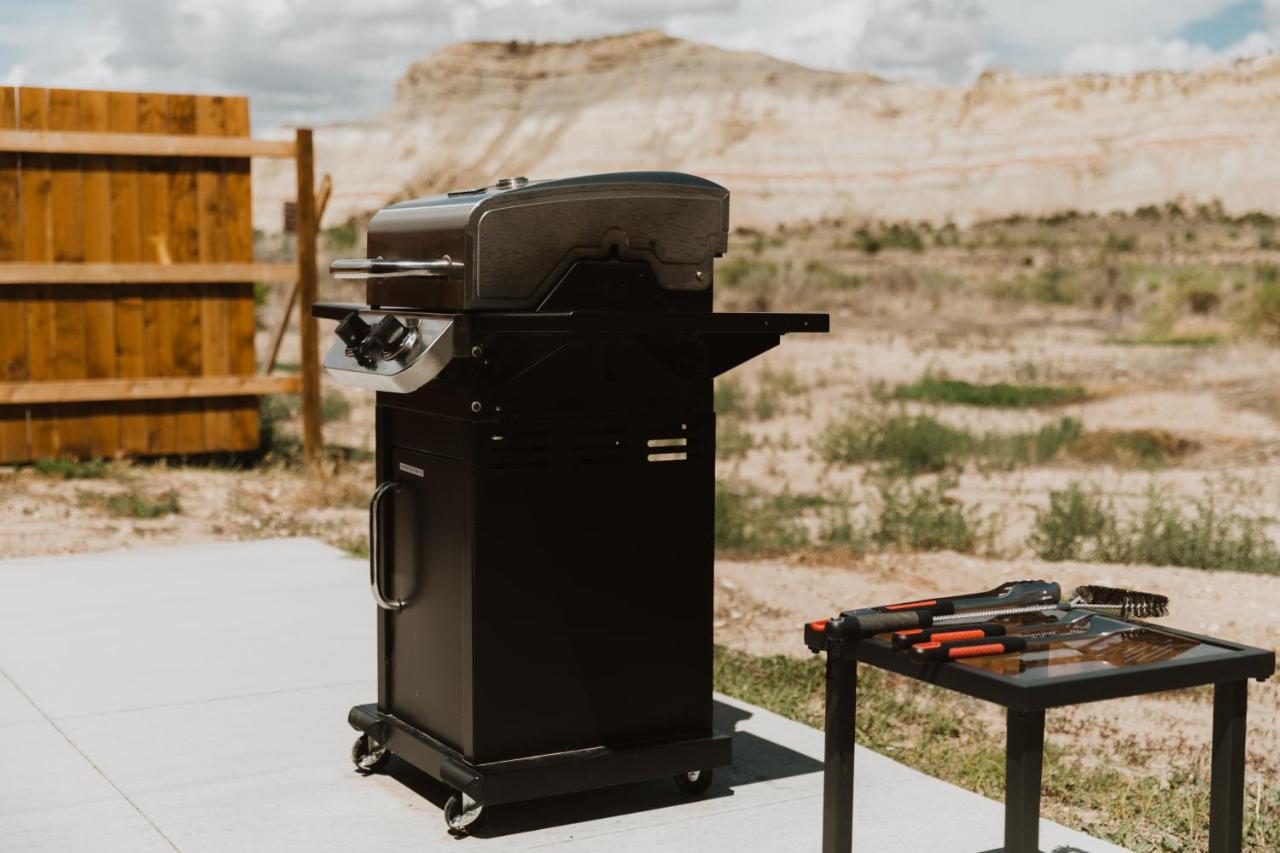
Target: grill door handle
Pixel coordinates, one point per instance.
(366, 268)
(375, 546)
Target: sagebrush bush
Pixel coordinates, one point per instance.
(1082, 524)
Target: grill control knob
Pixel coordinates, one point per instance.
(352, 330)
(386, 339)
(511, 183)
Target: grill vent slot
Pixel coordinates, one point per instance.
(599, 445)
(669, 446)
(520, 449)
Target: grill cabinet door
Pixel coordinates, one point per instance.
(426, 550)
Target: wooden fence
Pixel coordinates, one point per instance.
(127, 310)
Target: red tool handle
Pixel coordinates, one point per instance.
(959, 649)
(949, 633)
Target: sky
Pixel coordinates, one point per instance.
(321, 61)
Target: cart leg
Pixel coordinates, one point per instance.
(837, 781)
(1226, 796)
(1023, 759)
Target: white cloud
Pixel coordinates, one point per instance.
(325, 60)
(1167, 55)
(938, 40)
(1172, 54)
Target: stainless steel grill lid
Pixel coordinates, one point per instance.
(504, 247)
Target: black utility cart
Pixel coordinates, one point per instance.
(541, 534)
(1147, 660)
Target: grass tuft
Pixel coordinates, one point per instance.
(747, 521)
(733, 440)
(922, 518)
(334, 406)
(917, 444)
(927, 519)
(72, 469)
(133, 504)
(939, 389)
(1082, 524)
(1204, 341)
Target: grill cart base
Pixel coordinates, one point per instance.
(690, 762)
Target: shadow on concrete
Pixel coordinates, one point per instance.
(1066, 848)
(755, 759)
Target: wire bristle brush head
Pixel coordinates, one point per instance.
(1129, 602)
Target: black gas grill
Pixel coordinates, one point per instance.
(542, 531)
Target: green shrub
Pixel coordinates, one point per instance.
(733, 440)
(274, 440)
(925, 519)
(911, 444)
(1011, 450)
(1082, 524)
(1260, 314)
(730, 398)
(72, 469)
(918, 444)
(1053, 286)
(939, 389)
(747, 521)
(1074, 517)
(895, 236)
(741, 271)
(775, 385)
(1169, 341)
(342, 237)
(734, 399)
(1120, 243)
(133, 504)
(826, 276)
(334, 406)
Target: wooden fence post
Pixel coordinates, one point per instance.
(277, 338)
(312, 442)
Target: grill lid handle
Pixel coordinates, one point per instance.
(366, 268)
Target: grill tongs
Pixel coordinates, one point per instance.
(367, 268)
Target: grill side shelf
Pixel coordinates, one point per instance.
(603, 322)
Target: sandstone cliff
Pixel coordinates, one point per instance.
(793, 143)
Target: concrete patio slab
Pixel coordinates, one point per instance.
(195, 699)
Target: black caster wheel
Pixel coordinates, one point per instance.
(368, 758)
(694, 783)
(461, 813)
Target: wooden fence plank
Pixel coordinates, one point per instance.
(146, 388)
(13, 327)
(20, 273)
(99, 305)
(126, 248)
(211, 186)
(156, 311)
(143, 144)
(37, 245)
(184, 246)
(65, 196)
(239, 224)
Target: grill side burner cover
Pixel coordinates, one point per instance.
(508, 244)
